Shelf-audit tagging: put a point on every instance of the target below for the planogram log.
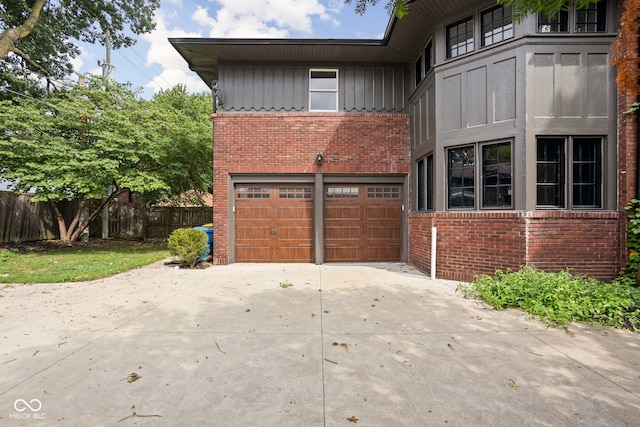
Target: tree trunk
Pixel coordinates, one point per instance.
(62, 226)
(9, 37)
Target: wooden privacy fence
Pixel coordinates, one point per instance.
(21, 220)
(132, 221)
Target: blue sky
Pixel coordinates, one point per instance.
(153, 64)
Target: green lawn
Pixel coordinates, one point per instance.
(51, 263)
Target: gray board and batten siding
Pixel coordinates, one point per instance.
(519, 90)
(375, 89)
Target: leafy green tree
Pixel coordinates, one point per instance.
(74, 144)
(192, 145)
(36, 36)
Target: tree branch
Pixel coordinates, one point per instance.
(9, 37)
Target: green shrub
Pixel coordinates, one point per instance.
(188, 244)
(628, 275)
(560, 298)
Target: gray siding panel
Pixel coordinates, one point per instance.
(285, 88)
(452, 103)
(431, 112)
(597, 85)
(544, 84)
(569, 81)
(477, 97)
(504, 90)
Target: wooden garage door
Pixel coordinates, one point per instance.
(363, 223)
(274, 223)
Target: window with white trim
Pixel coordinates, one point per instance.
(323, 90)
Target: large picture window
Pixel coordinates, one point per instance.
(323, 90)
(494, 164)
(569, 172)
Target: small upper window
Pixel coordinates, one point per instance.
(497, 25)
(424, 62)
(428, 57)
(460, 38)
(323, 90)
(592, 18)
(553, 24)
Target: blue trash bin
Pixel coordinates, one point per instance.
(209, 231)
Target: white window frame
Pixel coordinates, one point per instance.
(333, 90)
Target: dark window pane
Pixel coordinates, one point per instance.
(587, 172)
(497, 25)
(461, 185)
(496, 175)
(550, 172)
(460, 38)
(592, 18)
(430, 182)
(428, 57)
(420, 187)
(418, 70)
(554, 24)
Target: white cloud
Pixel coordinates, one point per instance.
(172, 77)
(261, 18)
(174, 68)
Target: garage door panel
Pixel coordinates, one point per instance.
(254, 253)
(343, 233)
(343, 213)
(301, 234)
(274, 223)
(363, 223)
(391, 213)
(294, 253)
(343, 253)
(384, 233)
(252, 213)
(295, 213)
(253, 233)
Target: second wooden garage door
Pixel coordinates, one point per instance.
(274, 223)
(363, 223)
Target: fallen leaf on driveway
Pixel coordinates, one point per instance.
(352, 419)
(451, 347)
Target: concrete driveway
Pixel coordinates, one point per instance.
(372, 345)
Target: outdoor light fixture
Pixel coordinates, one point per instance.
(319, 158)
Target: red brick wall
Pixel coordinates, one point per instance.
(627, 155)
(475, 243)
(287, 143)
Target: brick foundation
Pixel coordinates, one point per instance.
(476, 243)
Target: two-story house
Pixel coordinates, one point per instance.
(462, 142)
